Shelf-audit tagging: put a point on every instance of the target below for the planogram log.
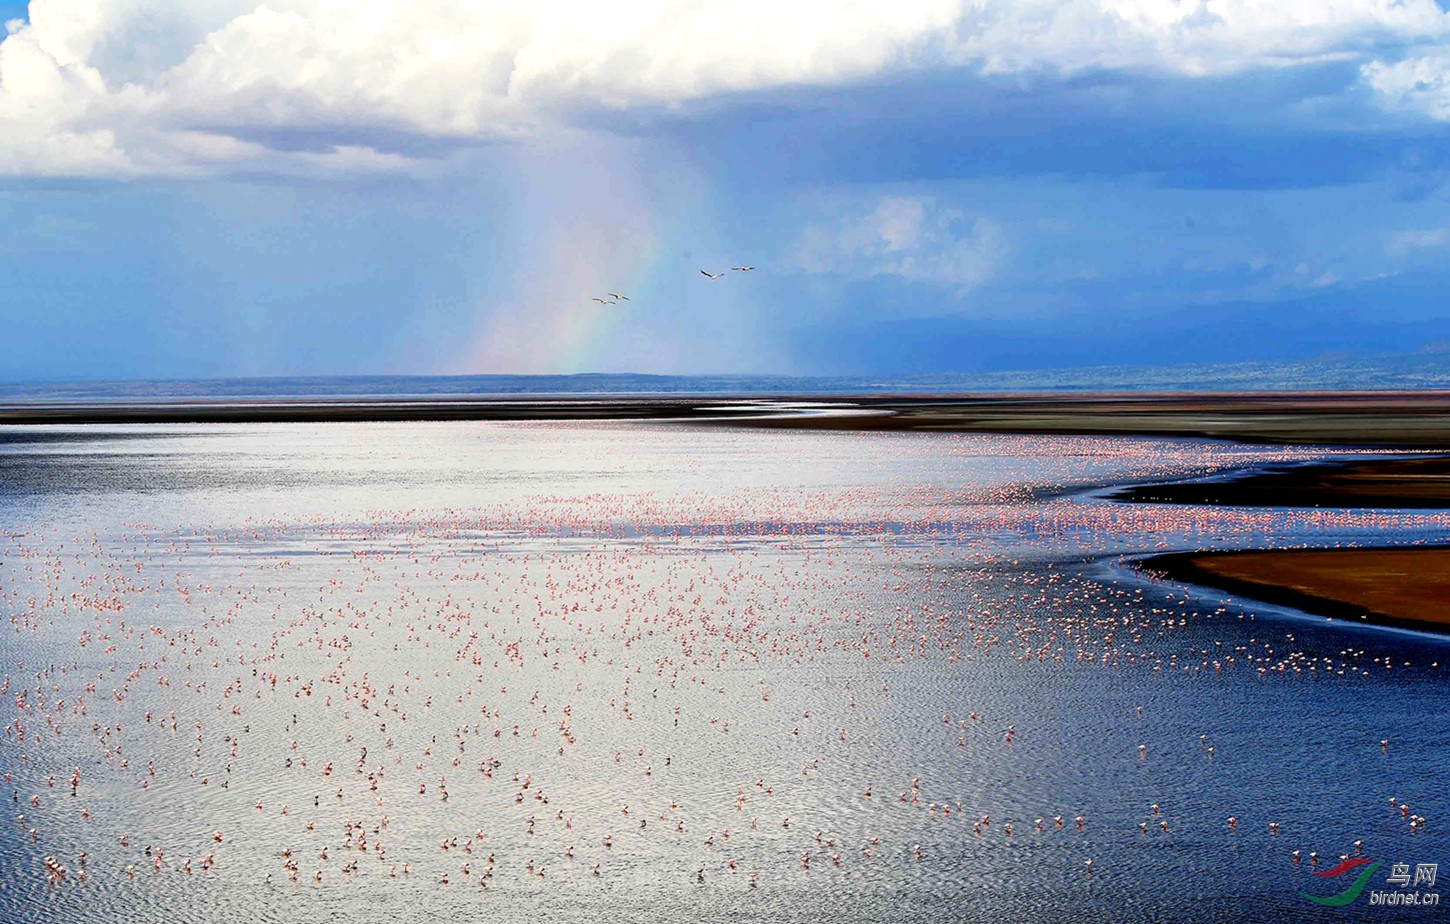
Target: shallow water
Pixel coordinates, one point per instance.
(725, 635)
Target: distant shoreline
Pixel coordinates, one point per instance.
(1386, 419)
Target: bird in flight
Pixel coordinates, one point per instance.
(743, 269)
(600, 300)
(616, 296)
(708, 275)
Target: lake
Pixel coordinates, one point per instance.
(608, 671)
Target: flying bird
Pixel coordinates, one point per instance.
(599, 300)
(711, 275)
(743, 269)
(616, 295)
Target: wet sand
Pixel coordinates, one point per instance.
(1409, 588)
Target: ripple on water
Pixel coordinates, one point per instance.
(729, 587)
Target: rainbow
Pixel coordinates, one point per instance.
(587, 223)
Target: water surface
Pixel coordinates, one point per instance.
(704, 644)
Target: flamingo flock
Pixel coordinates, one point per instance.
(717, 687)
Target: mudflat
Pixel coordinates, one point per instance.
(1402, 483)
(1389, 419)
(1407, 587)
(1402, 419)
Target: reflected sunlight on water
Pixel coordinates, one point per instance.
(537, 672)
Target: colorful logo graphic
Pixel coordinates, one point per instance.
(1355, 888)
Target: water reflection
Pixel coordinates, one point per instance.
(740, 675)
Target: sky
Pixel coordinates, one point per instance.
(309, 187)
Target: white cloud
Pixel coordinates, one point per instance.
(118, 86)
(907, 236)
(1403, 243)
(1417, 84)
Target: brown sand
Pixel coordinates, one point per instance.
(1405, 587)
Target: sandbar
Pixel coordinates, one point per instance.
(1422, 482)
(1405, 587)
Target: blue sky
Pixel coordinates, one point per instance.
(313, 187)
